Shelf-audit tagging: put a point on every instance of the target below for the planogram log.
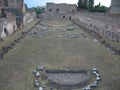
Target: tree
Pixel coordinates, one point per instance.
(91, 4)
(80, 3)
(39, 10)
(85, 4)
(43, 9)
(99, 8)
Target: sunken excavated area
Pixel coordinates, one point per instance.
(68, 78)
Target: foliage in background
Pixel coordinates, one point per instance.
(39, 10)
(91, 4)
(83, 4)
(98, 8)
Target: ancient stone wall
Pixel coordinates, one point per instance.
(13, 16)
(7, 25)
(15, 7)
(11, 4)
(115, 7)
(98, 30)
(59, 11)
(103, 28)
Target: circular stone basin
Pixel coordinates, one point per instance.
(68, 78)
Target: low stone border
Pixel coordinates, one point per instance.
(65, 71)
(75, 36)
(40, 69)
(95, 83)
(37, 75)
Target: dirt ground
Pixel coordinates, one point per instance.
(53, 51)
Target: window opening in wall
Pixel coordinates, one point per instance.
(50, 10)
(6, 32)
(14, 28)
(73, 11)
(63, 16)
(70, 18)
(57, 10)
(6, 3)
(3, 13)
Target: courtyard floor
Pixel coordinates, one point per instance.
(57, 48)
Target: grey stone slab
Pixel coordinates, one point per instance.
(34, 71)
(36, 83)
(98, 78)
(40, 88)
(37, 74)
(94, 69)
(40, 67)
(94, 84)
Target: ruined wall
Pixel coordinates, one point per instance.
(115, 7)
(7, 26)
(59, 11)
(102, 28)
(11, 4)
(15, 7)
(14, 14)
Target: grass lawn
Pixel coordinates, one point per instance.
(53, 52)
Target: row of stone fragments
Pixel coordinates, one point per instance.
(37, 74)
(75, 35)
(6, 49)
(95, 83)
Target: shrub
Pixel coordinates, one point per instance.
(98, 8)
